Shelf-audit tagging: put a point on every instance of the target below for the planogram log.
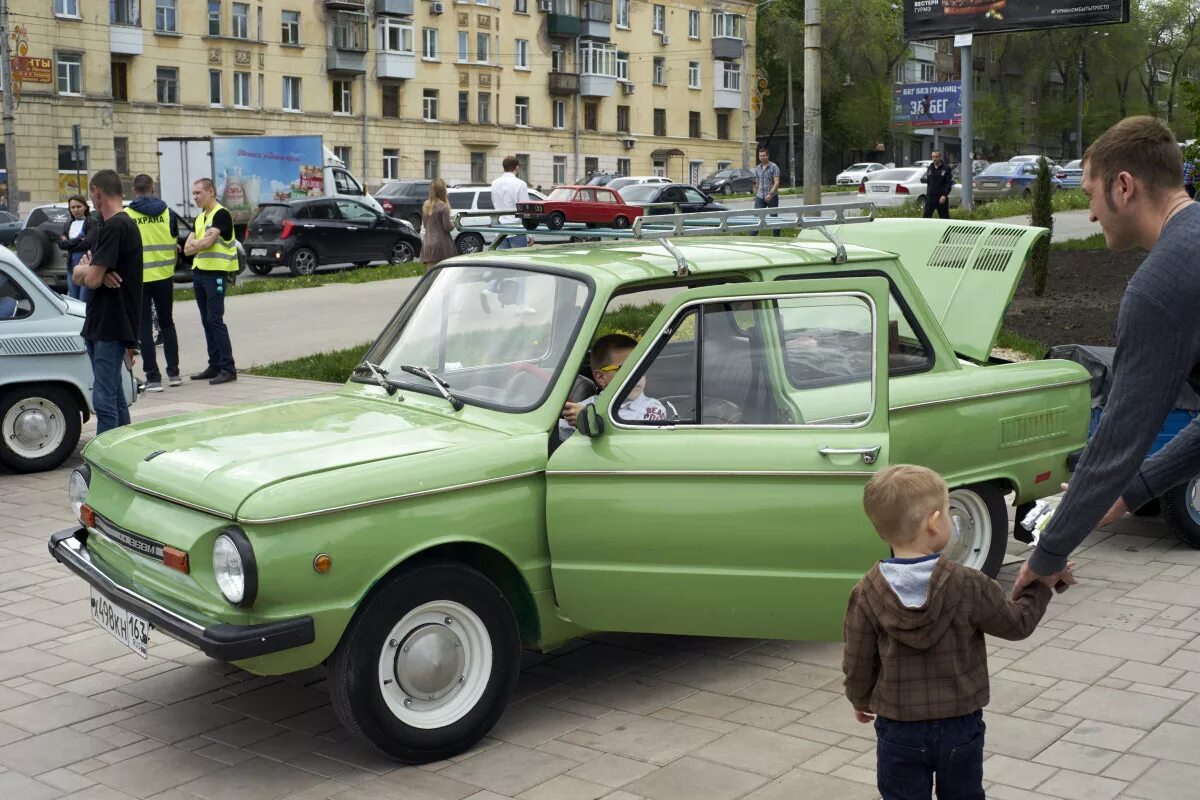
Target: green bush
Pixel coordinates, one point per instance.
(1042, 216)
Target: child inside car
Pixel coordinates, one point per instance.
(608, 354)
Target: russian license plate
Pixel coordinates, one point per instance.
(258, 251)
(878, 187)
(127, 628)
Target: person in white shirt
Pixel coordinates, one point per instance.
(608, 354)
(507, 191)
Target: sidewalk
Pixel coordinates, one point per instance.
(1067, 224)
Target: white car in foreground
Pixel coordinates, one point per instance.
(892, 188)
(855, 173)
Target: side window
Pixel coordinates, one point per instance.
(828, 356)
(485, 201)
(693, 196)
(345, 183)
(673, 194)
(461, 201)
(355, 211)
(667, 384)
(585, 196)
(606, 197)
(14, 303)
(322, 211)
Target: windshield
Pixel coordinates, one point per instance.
(721, 173)
(561, 194)
(858, 167)
(641, 193)
(1002, 169)
(498, 336)
(619, 183)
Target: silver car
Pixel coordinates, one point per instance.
(45, 374)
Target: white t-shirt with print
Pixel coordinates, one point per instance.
(636, 409)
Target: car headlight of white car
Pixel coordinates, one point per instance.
(77, 490)
(234, 567)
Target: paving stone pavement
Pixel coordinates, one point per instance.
(1103, 701)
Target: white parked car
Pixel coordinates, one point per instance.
(617, 184)
(891, 188)
(855, 173)
(923, 163)
(475, 198)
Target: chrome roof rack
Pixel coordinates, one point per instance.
(665, 227)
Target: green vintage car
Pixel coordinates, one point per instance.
(417, 527)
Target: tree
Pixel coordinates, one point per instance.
(1043, 217)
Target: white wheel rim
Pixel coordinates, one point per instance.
(443, 672)
(33, 427)
(970, 529)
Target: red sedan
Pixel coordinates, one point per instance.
(595, 205)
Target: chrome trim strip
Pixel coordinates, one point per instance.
(705, 473)
(986, 395)
(391, 499)
(160, 495)
(73, 551)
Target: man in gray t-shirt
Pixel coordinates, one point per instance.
(1133, 177)
(766, 183)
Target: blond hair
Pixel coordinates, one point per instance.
(1142, 146)
(900, 498)
(437, 194)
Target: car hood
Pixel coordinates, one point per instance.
(215, 460)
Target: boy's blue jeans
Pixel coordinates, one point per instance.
(910, 754)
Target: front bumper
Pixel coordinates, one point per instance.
(221, 640)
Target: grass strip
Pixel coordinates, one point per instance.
(384, 272)
(1093, 242)
(331, 366)
(1022, 344)
(1064, 200)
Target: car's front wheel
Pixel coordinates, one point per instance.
(1181, 510)
(727, 189)
(39, 427)
(978, 527)
(428, 664)
(402, 253)
(304, 261)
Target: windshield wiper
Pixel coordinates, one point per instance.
(379, 374)
(438, 382)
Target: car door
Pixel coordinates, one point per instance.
(323, 230)
(584, 208)
(731, 503)
(693, 200)
(670, 194)
(365, 239)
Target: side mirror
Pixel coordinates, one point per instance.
(589, 422)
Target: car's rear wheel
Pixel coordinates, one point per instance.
(39, 427)
(262, 269)
(556, 221)
(304, 262)
(402, 253)
(469, 243)
(428, 664)
(978, 527)
(1181, 510)
(621, 222)
(921, 200)
(530, 224)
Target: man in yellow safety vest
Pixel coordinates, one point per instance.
(159, 232)
(214, 266)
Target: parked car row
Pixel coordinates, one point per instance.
(600, 206)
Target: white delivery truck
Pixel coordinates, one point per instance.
(249, 170)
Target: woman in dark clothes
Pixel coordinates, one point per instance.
(77, 239)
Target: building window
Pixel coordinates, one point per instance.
(483, 48)
(166, 82)
(166, 16)
(124, 12)
(658, 167)
(342, 97)
(559, 114)
(523, 161)
(214, 87)
(591, 116)
(241, 90)
(67, 162)
(70, 73)
(214, 17)
(349, 32)
(521, 6)
(121, 154)
(485, 108)
(432, 159)
(290, 27)
(591, 165)
(120, 80)
(722, 124)
(429, 105)
(928, 74)
(559, 176)
(66, 8)
(622, 119)
(521, 54)
(693, 24)
(597, 58)
(258, 28)
(660, 18)
(728, 26)
(478, 167)
(391, 101)
(729, 77)
(558, 59)
(464, 44)
(624, 166)
(660, 122)
(622, 13)
(660, 70)
(464, 106)
(622, 66)
(241, 21)
(395, 36)
(521, 112)
(291, 93)
(391, 163)
(342, 153)
(694, 124)
(429, 43)
(693, 74)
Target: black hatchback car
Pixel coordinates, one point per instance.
(729, 181)
(684, 198)
(305, 234)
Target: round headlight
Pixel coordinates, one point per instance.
(229, 569)
(77, 489)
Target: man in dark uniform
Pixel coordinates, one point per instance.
(939, 180)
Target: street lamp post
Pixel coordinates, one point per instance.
(1079, 107)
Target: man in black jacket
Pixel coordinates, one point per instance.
(939, 180)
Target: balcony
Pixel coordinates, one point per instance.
(597, 85)
(398, 66)
(124, 40)
(562, 25)
(394, 8)
(726, 47)
(347, 5)
(596, 21)
(726, 98)
(346, 62)
(564, 83)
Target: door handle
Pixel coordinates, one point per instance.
(308, 226)
(869, 454)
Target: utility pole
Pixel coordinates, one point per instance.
(812, 102)
(791, 112)
(966, 129)
(745, 101)
(10, 134)
(1079, 107)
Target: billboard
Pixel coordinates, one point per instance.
(931, 19)
(926, 105)
(260, 169)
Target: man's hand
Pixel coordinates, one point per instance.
(112, 280)
(85, 260)
(571, 412)
(942, 200)
(1118, 510)
(130, 353)
(863, 716)
(1059, 581)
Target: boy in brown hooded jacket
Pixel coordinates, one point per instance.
(915, 658)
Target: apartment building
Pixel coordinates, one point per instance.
(397, 88)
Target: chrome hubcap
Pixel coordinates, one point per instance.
(33, 427)
(970, 529)
(430, 662)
